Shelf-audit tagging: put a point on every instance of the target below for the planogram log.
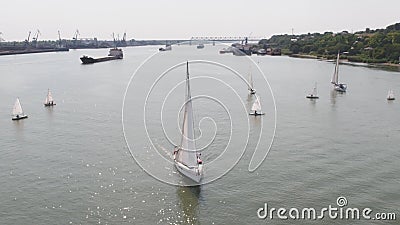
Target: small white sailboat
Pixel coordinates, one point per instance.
(256, 108)
(390, 95)
(18, 113)
(187, 159)
(49, 101)
(251, 87)
(335, 79)
(313, 94)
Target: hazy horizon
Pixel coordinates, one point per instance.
(178, 19)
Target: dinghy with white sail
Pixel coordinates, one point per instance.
(49, 101)
(17, 112)
(256, 108)
(390, 95)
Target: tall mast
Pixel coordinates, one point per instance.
(187, 154)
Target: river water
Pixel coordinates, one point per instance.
(97, 159)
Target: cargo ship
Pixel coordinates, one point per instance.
(115, 53)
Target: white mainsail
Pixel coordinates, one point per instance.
(390, 94)
(187, 155)
(335, 78)
(256, 105)
(251, 81)
(49, 97)
(314, 91)
(17, 109)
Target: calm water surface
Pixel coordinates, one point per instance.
(70, 164)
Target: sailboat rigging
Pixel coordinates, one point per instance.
(49, 101)
(335, 79)
(251, 87)
(186, 158)
(313, 94)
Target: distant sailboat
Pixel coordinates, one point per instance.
(49, 101)
(335, 79)
(187, 159)
(256, 108)
(17, 112)
(313, 94)
(390, 95)
(167, 47)
(200, 46)
(251, 87)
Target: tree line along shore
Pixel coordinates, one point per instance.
(369, 46)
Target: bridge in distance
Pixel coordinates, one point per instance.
(226, 38)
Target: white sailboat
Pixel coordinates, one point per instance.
(256, 108)
(251, 87)
(313, 94)
(335, 79)
(17, 112)
(49, 101)
(187, 159)
(390, 95)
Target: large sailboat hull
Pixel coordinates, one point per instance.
(340, 87)
(19, 117)
(195, 174)
(49, 104)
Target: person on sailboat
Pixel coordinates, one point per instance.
(199, 161)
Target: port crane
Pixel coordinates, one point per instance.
(59, 40)
(1, 39)
(35, 38)
(246, 38)
(75, 38)
(123, 41)
(27, 40)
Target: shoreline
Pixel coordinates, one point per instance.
(385, 66)
(32, 51)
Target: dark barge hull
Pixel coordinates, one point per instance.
(90, 60)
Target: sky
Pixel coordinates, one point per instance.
(183, 19)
